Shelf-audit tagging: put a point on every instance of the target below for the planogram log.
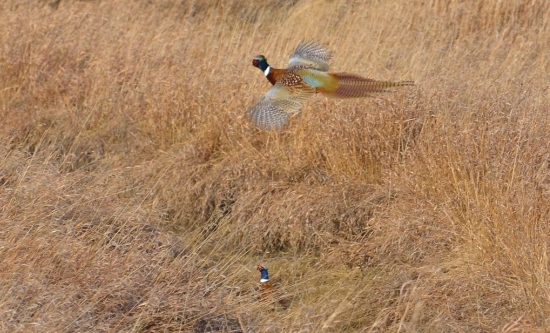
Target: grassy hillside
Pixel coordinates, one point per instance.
(135, 196)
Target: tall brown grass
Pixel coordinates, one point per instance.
(136, 197)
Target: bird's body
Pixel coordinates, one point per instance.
(307, 74)
(266, 286)
(269, 292)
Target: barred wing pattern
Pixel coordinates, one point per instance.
(310, 54)
(307, 73)
(273, 110)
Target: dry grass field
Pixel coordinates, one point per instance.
(135, 196)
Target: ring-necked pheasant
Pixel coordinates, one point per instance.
(307, 74)
(268, 291)
(266, 287)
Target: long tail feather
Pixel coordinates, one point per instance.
(350, 85)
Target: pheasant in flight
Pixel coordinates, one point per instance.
(307, 74)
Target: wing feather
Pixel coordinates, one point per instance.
(273, 110)
(310, 54)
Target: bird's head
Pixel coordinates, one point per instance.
(260, 62)
(264, 275)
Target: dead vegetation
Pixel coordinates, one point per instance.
(135, 196)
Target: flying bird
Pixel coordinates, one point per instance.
(306, 74)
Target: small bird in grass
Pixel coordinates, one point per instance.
(266, 286)
(269, 292)
(307, 74)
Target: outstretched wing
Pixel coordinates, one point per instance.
(310, 54)
(273, 110)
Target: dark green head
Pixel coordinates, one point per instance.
(264, 275)
(260, 62)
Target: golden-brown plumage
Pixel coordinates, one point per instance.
(307, 73)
